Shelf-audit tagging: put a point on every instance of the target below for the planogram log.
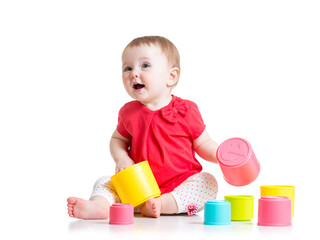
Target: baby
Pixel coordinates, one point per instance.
(158, 127)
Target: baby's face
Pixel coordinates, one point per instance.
(146, 73)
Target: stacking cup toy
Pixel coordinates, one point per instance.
(217, 212)
(241, 207)
(279, 190)
(237, 161)
(136, 184)
(274, 211)
(121, 214)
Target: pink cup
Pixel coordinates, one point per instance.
(274, 211)
(237, 161)
(121, 214)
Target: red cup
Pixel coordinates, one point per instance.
(237, 161)
(121, 214)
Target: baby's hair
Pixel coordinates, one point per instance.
(167, 47)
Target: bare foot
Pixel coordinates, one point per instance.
(87, 209)
(152, 208)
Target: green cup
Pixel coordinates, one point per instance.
(241, 207)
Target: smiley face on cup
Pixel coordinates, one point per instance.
(238, 162)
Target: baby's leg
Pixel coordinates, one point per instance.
(189, 197)
(165, 204)
(94, 208)
(193, 193)
(97, 207)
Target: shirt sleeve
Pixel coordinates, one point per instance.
(196, 124)
(121, 124)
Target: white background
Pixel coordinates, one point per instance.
(251, 66)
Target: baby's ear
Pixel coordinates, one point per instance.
(173, 77)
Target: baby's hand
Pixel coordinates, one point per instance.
(123, 164)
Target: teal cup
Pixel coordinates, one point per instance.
(217, 212)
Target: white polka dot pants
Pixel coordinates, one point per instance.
(103, 187)
(194, 192)
(191, 195)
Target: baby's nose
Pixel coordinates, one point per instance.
(134, 74)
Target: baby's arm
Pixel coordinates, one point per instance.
(205, 147)
(119, 151)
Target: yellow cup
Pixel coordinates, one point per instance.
(241, 207)
(279, 190)
(136, 184)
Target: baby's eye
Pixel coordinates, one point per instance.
(145, 65)
(126, 69)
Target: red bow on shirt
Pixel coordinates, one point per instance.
(171, 112)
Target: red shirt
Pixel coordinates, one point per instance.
(164, 138)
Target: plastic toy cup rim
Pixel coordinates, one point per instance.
(129, 168)
(217, 202)
(121, 205)
(238, 197)
(278, 186)
(275, 198)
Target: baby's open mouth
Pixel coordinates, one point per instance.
(138, 86)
